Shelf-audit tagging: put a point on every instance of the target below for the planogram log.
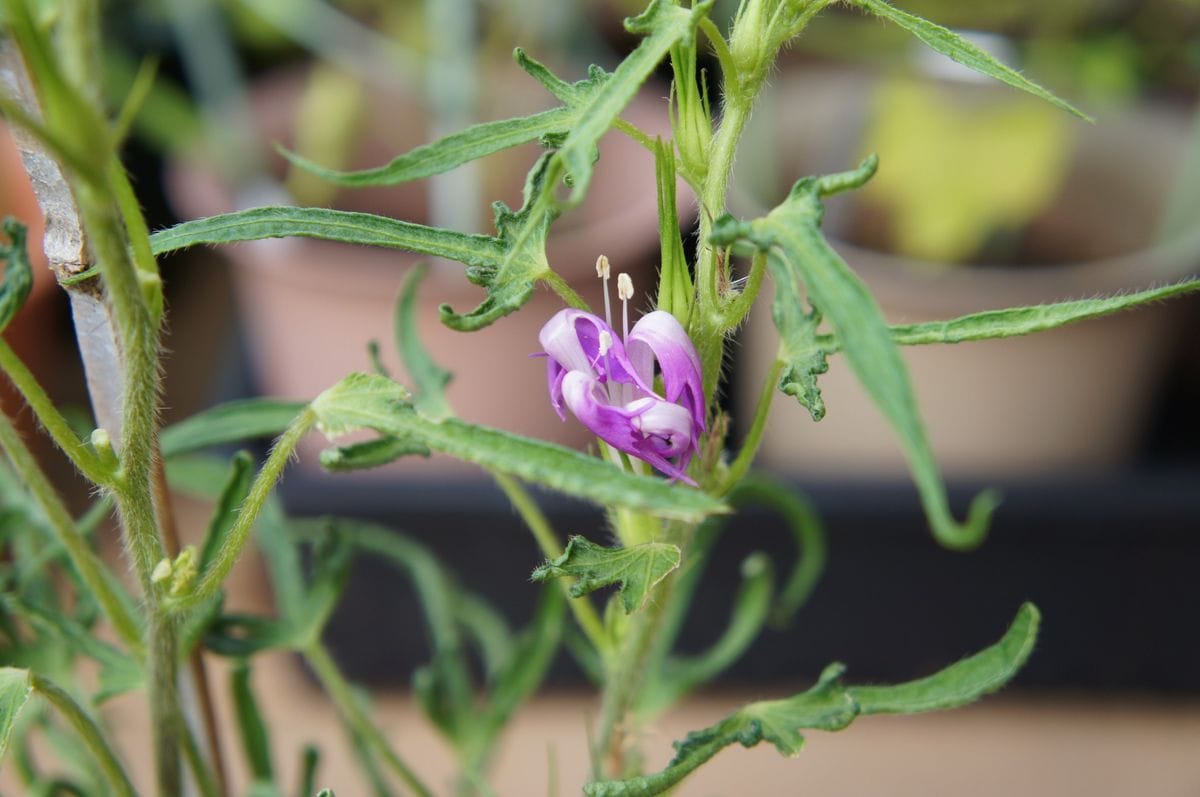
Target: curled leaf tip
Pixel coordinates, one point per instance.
(970, 534)
(845, 181)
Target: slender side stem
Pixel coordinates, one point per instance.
(80, 454)
(564, 290)
(343, 698)
(739, 308)
(91, 734)
(585, 613)
(741, 464)
(91, 570)
(636, 133)
(235, 541)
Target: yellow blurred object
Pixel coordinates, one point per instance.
(952, 172)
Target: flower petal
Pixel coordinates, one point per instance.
(659, 336)
(649, 428)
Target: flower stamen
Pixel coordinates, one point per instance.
(603, 270)
(624, 293)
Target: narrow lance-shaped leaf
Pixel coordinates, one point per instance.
(799, 255)
(478, 140)
(428, 379)
(663, 24)
(18, 276)
(237, 485)
(329, 225)
(362, 401)
(229, 423)
(256, 743)
(1016, 321)
(371, 453)
(14, 694)
(830, 706)
(637, 569)
(955, 47)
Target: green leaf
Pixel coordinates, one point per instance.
(237, 486)
(228, 423)
(510, 278)
(479, 140)
(443, 686)
(675, 281)
(15, 688)
(507, 266)
(807, 532)
(429, 380)
(663, 23)
(362, 401)
(371, 454)
(799, 255)
(804, 360)
(18, 275)
(1016, 321)
(330, 225)
(637, 569)
(830, 706)
(256, 744)
(958, 49)
(960, 683)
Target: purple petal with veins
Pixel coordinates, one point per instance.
(609, 385)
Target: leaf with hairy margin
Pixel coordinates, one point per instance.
(830, 706)
(369, 401)
(481, 140)
(663, 24)
(798, 255)
(637, 569)
(958, 49)
(429, 380)
(231, 422)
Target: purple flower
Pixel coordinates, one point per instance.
(608, 384)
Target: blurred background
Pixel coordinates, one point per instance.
(984, 199)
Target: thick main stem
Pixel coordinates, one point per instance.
(623, 681)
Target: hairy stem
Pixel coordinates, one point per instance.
(78, 451)
(235, 541)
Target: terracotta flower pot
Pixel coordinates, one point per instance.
(308, 308)
(1074, 398)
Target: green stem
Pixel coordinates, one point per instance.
(343, 698)
(623, 681)
(737, 310)
(80, 454)
(87, 729)
(585, 613)
(235, 541)
(98, 580)
(636, 133)
(564, 290)
(165, 714)
(745, 457)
